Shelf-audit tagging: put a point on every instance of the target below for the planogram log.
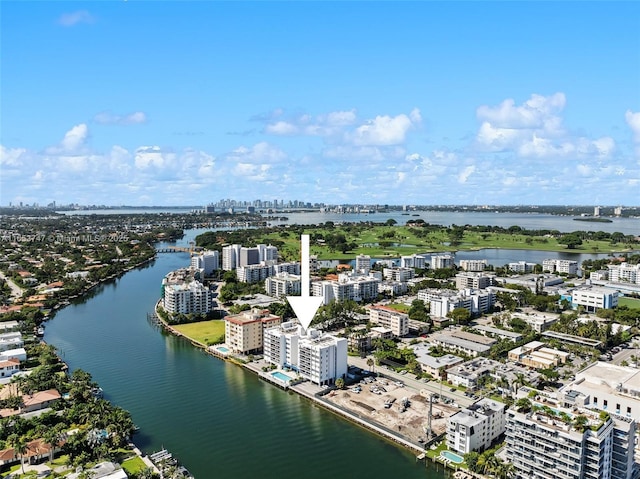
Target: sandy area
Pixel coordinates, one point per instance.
(411, 423)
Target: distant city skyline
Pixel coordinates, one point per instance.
(425, 103)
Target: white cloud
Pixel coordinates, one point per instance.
(153, 156)
(74, 141)
(75, 137)
(385, 130)
(537, 112)
(262, 152)
(466, 173)
(74, 18)
(108, 118)
(633, 120)
(534, 130)
(341, 127)
(11, 156)
(283, 128)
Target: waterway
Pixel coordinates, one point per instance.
(531, 221)
(218, 419)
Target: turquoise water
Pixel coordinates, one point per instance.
(452, 456)
(222, 349)
(281, 376)
(185, 400)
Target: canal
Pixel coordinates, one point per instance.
(218, 419)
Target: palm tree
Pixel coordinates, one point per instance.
(53, 437)
(371, 363)
(19, 445)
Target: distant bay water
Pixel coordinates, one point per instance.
(531, 221)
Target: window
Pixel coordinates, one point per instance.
(628, 409)
(595, 400)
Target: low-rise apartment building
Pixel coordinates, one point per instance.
(244, 332)
(474, 264)
(536, 355)
(396, 321)
(565, 266)
(473, 280)
(283, 284)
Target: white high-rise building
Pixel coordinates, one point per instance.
(476, 427)
(267, 253)
(414, 261)
(550, 441)
(209, 261)
(363, 263)
(231, 257)
(440, 261)
(182, 292)
(624, 273)
(320, 358)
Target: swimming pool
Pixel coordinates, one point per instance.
(222, 349)
(281, 376)
(452, 456)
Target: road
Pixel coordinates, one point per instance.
(16, 291)
(409, 379)
(625, 355)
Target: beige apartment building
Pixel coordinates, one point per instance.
(244, 332)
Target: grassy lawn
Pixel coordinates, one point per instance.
(133, 465)
(631, 303)
(407, 241)
(206, 332)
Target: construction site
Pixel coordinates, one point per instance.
(417, 415)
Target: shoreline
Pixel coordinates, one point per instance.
(314, 398)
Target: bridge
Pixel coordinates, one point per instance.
(180, 249)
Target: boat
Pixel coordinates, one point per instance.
(40, 331)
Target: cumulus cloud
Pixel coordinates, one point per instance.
(10, 157)
(74, 141)
(466, 173)
(109, 118)
(384, 130)
(537, 112)
(153, 157)
(74, 18)
(534, 130)
(343, 127)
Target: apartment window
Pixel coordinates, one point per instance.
(604, 403)
(628, 410)
(595, 401)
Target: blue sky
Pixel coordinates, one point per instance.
(184, 103)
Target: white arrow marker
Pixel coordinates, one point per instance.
(305, 306)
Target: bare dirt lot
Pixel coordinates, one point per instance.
(411, 423)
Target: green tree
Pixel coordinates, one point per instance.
(459, 315)
(471, 458)
(19, 445)
(340, 383)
